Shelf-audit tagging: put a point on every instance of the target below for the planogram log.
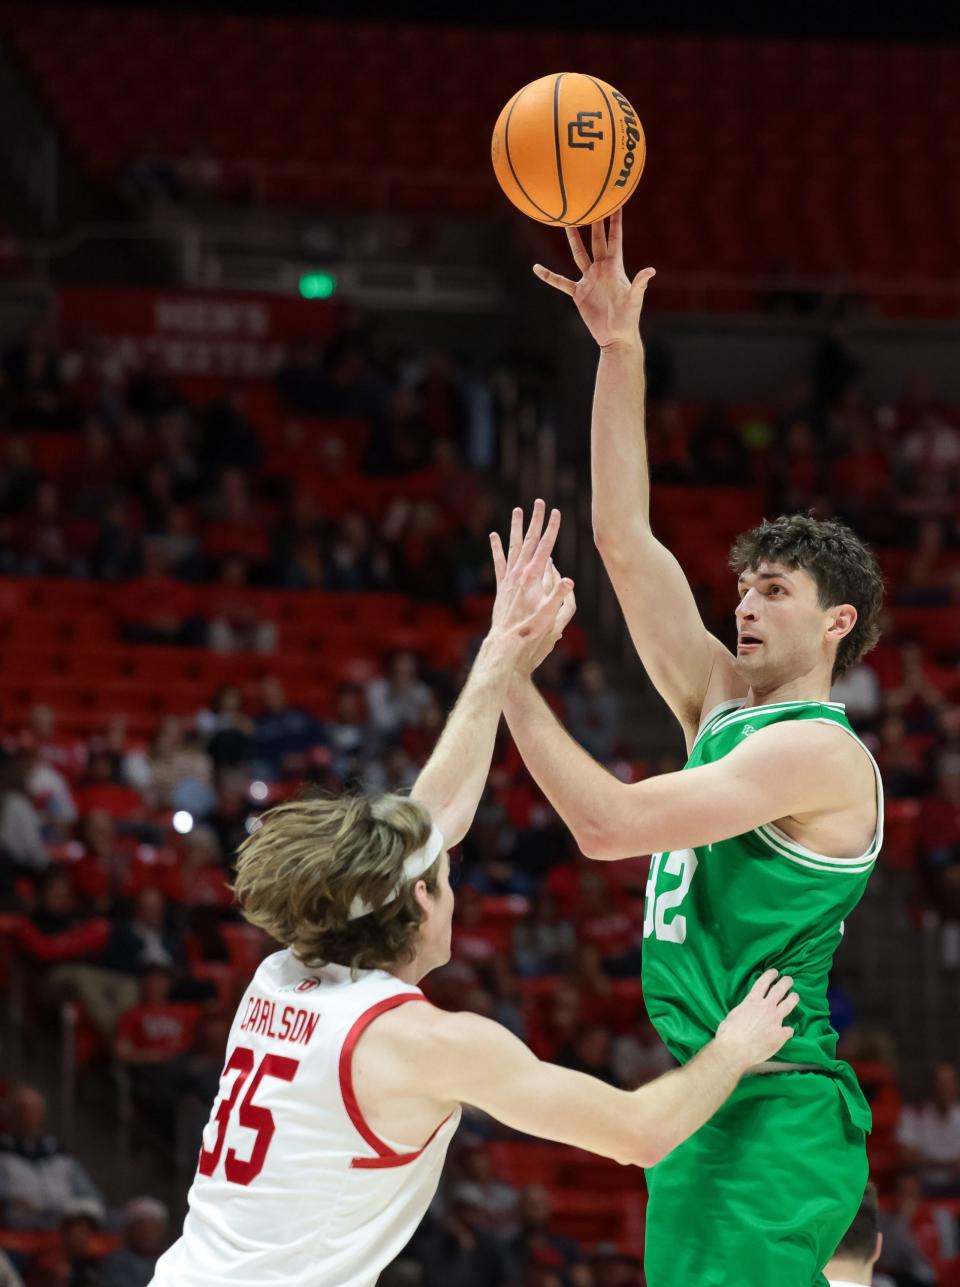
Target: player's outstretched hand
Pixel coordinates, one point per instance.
(608, 301)
(534, 603)
(754, 1030)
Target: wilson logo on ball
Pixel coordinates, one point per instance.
(633, 136)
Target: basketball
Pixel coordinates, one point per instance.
(568, 149)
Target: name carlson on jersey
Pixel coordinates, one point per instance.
(294, 1024)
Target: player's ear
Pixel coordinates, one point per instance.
(878, 1249)
(842, 618)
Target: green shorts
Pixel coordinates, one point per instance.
(761, 1195)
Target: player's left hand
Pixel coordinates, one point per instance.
(534, 603)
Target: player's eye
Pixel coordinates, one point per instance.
(776, 589)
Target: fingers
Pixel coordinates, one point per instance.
(532, 537)
(615, 235)
(554, 279)
(763, 984)
(566, 613)
(550, 577)
(780, 989)
(516, 537)
(577, 249)
(541, 554)
(545, 615)
(598, 239)
(639, 284)
(499, 558)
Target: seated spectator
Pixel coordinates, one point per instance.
(202, 879)
(358, 561)
(118, 551)
(797, 479)
(102, 788)
(919, 697)
(159, 609)
(110, 986)
(590, 1051)
(350, 734)
(99, 873)
(930, 578)
(929, 1135)
(146, 1229)
(181, 770)
(500, 1199)
(859, 691)
(460, 1250)
(399, 440)
(68, 755)
(396, 699)
(226, 728)
(471, 548)
(38, 1180)
(639, 1056)
(719, 457)
(929, 463)
(50, 793)
(543, 943)
(534, 1237)
(423, 559)
(229, 439)
(151, 1036)
(285, 737)
(179, 544)
(75, 1260)
(902, 766)
(56, 930)
(443, 407)
(22, 849)
(235, 621)
(939, 836)
(594, 712)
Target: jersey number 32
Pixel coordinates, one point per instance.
(661, 915)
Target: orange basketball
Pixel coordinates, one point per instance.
(568, 149)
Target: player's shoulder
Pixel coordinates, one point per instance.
(822, 750)
(429, 1036)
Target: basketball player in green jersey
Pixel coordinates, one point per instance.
(761, 846)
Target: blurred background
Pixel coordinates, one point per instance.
(272, 364)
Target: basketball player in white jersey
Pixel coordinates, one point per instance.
(342, 1087)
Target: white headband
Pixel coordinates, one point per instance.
(420, 860)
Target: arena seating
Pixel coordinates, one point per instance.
(762, 154)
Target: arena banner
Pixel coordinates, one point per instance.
(189, 332)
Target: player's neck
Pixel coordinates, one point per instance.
(849, 1271)
(410, 972)
(813, 686)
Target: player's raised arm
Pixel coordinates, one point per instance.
(528, 618)
(464, 1058)
(687, 665)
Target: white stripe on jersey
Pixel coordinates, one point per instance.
(293, 1186)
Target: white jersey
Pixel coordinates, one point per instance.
(292, 1185)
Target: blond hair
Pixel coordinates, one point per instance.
(299, 872)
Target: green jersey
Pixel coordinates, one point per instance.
(719, 915)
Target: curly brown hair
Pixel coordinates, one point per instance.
(299, 872)
(843, 567)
